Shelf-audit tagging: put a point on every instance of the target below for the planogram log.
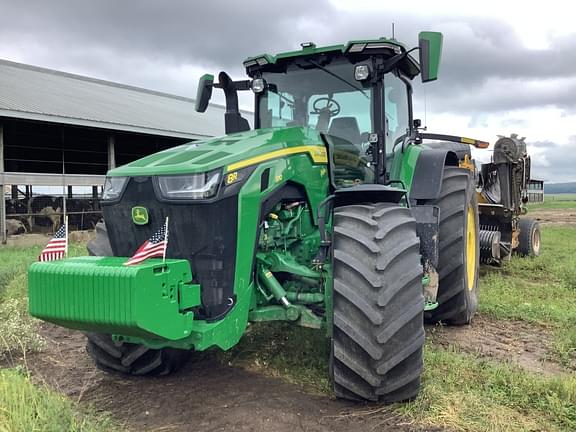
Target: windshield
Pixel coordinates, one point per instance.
(329, 99)
(316, 96)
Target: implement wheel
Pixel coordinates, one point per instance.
(378, 330)
(121, 357)
(529, 238)
(459, 249)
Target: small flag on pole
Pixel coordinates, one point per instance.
(57, 247)
(155, 246)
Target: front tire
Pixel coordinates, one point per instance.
(121, 357)
(378, 331)
(459, 249)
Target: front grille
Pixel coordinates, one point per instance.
(204, 233)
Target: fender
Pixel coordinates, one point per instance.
(428, 173)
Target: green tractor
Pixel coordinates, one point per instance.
(331, 213)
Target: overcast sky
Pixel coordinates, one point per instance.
(508, 67)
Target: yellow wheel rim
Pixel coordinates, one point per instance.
(471, 248)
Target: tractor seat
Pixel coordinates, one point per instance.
(345, 128)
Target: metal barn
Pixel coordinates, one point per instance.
(60, 133)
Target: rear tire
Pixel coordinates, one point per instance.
(121, 357)
(529, 238)
(459, 249)
(378, 330)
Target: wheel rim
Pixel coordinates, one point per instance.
(470, 248)
(536, 241)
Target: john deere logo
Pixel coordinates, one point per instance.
(140, 215)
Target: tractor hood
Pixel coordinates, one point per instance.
(230, 152)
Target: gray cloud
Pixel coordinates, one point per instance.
(486, 69)
(113, 38)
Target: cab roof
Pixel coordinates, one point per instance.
(359, 48)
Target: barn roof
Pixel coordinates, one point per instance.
(34, 93)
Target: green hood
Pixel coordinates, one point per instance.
(230, 151)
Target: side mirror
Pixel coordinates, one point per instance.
(430, 44)
(204, 92)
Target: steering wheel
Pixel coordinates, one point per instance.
(331, 106)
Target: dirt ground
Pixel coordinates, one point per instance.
(204, 396)
(208, 396)
(517, 342)
(554, 216)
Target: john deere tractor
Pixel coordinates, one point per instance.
(331, 213)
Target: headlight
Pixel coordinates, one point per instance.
(113, 187)
(193, 186)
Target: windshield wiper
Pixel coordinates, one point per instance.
(329, 72)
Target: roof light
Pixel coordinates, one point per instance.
(250, 63)
(262, 61)
(305, 45)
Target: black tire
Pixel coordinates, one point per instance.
(100, 245)
(133, 359)
(121, 357)
(458, 274)
(378, 329)
(529, 238)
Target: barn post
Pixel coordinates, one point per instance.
(3, 200)
(111, 151)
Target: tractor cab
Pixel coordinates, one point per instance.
(357, 96)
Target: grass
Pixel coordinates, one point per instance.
(25, 406)
(558, 201)
(541, 290)
(17, 329)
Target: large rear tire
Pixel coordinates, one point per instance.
(378, 330)
(459, 249)
(121, 357)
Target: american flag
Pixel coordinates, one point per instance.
(57, 247)
(155, 246)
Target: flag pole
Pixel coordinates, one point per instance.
(165, 241)
(66, 226)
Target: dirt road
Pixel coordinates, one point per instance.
(554, 216)
(205, 396)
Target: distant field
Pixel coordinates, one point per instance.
(560, 197)
(555, 201)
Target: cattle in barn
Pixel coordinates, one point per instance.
(15, 226)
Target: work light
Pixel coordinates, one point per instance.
(362, 72)
(258, 85)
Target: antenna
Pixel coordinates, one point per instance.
(392, 29)
(425, 111)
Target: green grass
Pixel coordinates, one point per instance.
(466, 393)
(541, 290)
(25, 406)
(17, 328)
(557, 201)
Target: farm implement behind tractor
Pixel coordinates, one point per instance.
(332, 213)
